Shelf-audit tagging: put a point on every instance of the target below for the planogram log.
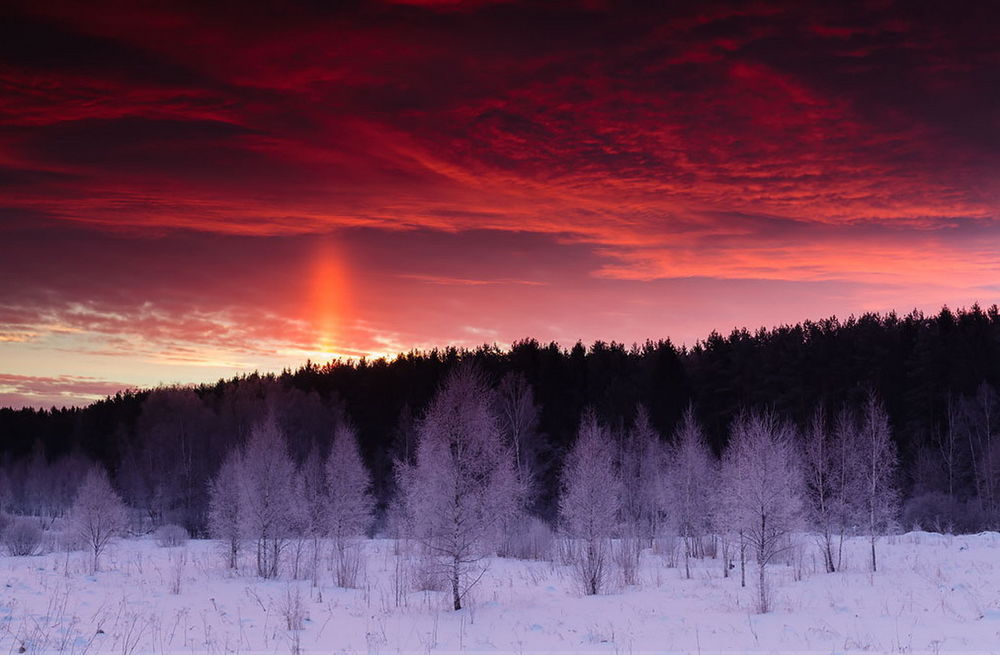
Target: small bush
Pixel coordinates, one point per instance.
(426, 573)
(590, 564)
(62, 538)
(626, 553)
(22, 537)
(170, 535)
(668, 547)
(533, 539)
(938, 512)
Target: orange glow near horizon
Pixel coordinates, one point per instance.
(200, 190)
(329, 297)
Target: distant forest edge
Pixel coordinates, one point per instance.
(936, 375)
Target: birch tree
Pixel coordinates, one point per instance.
(878, 459)
(463, 484)
(350, 502)
(763, 487)
(98, 514)
(224, 500)
(692, 483)
(517, 416)
(267, 495)
(590, 502)
(643, 471)
(830, 465)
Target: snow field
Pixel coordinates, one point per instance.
(933, 594)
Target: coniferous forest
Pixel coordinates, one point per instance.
(937, 377)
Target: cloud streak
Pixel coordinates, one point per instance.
(169, 175)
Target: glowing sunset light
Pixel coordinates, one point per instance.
(194, 191)
(329, 299)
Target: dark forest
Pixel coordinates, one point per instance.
(936, 375)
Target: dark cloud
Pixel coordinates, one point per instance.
(185, 180)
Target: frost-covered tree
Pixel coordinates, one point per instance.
(267, 495)
(590, 501)
(877, 459)
(98, 514)
(762, 477)
(307, 524)
(693, 485)
(980, 426)
(350, 503)
(224, 501)
(463, 484)
(47, 489)
(312, 518)
(643, 467)
(518, 416)
(831, 477)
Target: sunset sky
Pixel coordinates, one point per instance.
(189, 193)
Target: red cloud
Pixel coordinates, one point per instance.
(853, 154)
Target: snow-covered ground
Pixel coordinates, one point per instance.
(932, 593)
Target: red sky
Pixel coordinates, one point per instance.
(187, 193)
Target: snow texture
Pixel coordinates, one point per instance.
(932, 593)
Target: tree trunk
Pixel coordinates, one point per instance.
(874, 568)
(743, 561)
(454, 585)
(762, 581)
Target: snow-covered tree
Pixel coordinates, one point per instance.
(463, 483)
(762, 477)
(267, 495)
(590, 501)
(312, 519)
(693, 484)
(643, 465)
(518, 416)
(98, 514)
(224, 501)
(878, 462)
(307, 524)
(350, 504)
(831, 476)
(980, 425)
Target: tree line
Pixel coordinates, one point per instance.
(934, 378)
(467, 494)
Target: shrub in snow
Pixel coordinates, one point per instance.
(590, 503)
(463, 484)
(22, 536)
(939, 512)
(533, 539)
(98, 514)
(626, 552)
(170, 535)
(668, 547)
